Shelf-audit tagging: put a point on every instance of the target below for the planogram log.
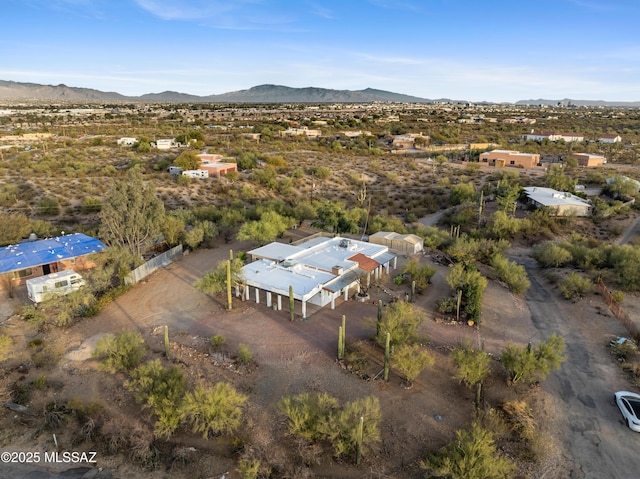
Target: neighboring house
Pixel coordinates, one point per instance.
(610, 139)
(166, 144)
(41, 257)
(500, 158)
(585, 159)
(546, 135)
(355, 134)
(127, 141)
(407, 141)
(559, 203)
(214, 165)
(320, 270)
(570, 137)
(403, 244)
(304, 131)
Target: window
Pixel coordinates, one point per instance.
(512, 162)
(61, 284)
(25, 272)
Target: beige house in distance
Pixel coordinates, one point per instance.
(501, 158)
(585, 159)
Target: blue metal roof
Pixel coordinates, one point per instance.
(36, 253)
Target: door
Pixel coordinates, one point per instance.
(46, 269)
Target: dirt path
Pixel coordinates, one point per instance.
(596, 442)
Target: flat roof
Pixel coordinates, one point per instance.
(36, 253)
(551, 197)
(305, 281)
(309, 266)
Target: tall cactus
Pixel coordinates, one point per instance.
(291, 303)
(359, 437)
(340, 343)
(166, 341)
(379, 319)
(229, 296)
(387, 356)
(413, 291)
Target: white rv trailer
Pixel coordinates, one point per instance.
(61, 283)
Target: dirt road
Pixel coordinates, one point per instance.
(596, 441)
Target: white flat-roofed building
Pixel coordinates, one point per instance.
(561, 203)
(319, 270)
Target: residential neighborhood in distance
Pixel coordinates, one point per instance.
(252, 257)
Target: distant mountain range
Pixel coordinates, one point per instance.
(10, 90)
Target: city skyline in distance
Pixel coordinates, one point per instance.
(496, 51)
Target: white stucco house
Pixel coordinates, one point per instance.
(320, 270)
(560, 203)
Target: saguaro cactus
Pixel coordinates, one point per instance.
(359, 435)
(387, 356)
(166, 341)
(379, 319)
(340, 343)
(229, 296)
(291, 303)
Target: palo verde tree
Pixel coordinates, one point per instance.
(215, 281)
(132, 215)
(472, 455)
(533, 363)
(401, 320)
(270, 225)
(188, 160)
(214, 410)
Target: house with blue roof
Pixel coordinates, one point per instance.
(31, 259)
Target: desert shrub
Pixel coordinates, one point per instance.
(5, 346)
(34, 316)
(575, 286)
(319, 417)
(551, 255)
(421, 274)
(248, 469)
(213, 410)
(91, 205)
(217, 341)
(511, 274)
(531, 364)
(447, 305)
(245, 356)
(472, 365)
(120, 352)
(40, 382)
(129, 436)
(472, 455)
(161, 390)
(45, 356)
(401, 320)
(411, 360)
(618, 296)
(305, 413)
(49, 206)
(55, 415)
(35, 343)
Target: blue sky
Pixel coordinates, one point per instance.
(501, 50)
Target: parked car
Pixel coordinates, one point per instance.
(629, 404)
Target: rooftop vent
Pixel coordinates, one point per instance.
(344, 243)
